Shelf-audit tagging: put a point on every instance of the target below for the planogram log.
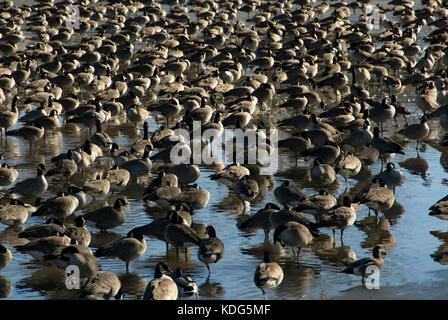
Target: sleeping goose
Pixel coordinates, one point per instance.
(162, 287)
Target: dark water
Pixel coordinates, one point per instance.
(412, 238)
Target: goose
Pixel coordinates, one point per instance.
(8, 175)
(230, 174)
(139, 167)
(339, 217)
(59, 208)
(67, 167)
(392, 176)
(268, 274)
(168, 109)
(378, 198)
(247, 190)
(322, 174)
(185, 285)
(348, 166)
(79, 232)
(139, 146)
(103, 285)
(360, 267)
(32, 187)
(195, 197)
(9, 118)
(164, 195)
(186, 173)
(382, 113)
(178, 234)
(162, 287)
(32, 133)
(43, 246)
(107, 217)
(78, 194)
(136, 114)
(384, 145)
(97, 188)
(278, 218)
(294, 235)
(261, 220)
(118, 178)
(317, 204)
(51, 227)
(128, 248)
(73, 255)
(100, 138)
(211, 249)
(289, 195)
(327, 153)
(5, 257)
(417, 132)
(358, 138)
(15, 213)
(48, 123)
(163, 180)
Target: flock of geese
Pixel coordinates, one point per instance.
(319, 72)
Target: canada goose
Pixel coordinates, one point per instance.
(168, 109)
(164, 195)
(7, 175)
(417, 132)
(392, 176)
(60, 207)
(102, 284)
(247, 190)
(51, 227)
(186, 173)
(384, 145)
(360, 267)
(127, 249)
(322, 174)
(5, 256)
(231, 174)
(163, 180)
(289, 195)
(317, 204)
(67, 167)
(15, 213)
(79, 232)
(108, 217)
(195, 197)
(162, 287)
(178, 234)
(100, 138)
(185, 285)
(294, 235)
(268, 274)
(118, 178)
(32, 133)
(32, 187)
(339, 217)
(211, 249)
(139, 146)
(73, 255)
(9, 118)
(378, 198)
(439, 209)
(348, 166)
(327, 153)
(78, 194)
(139, 167)
(359, 138)
(43, 246)
(280, 217)
(97, 188)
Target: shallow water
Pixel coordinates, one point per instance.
(412, 238)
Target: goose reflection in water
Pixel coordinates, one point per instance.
(441, 254)
(416, 166)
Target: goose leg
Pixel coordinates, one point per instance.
(127, 267)
(342, 241)
(264, 293)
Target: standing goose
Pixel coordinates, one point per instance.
(139, 146)
(382, 113)
(392, 176)
(247, 190)
(268, 274)
(100, 138)
(294, 235)
(79, 232)
(73, 255)
(322, 174)
(5, 256)
(139, 167)
(29, 132)
(360, 267)
(211, 249)
(7, 175)
(127, 249)
(15, 213)
(178, 234)
(261, 220)
(317, 204)
(186, 287)
(384, 145)
(59, 208)
(417, 132)
(118, 178)
(162, 287)
(168, 109)
(339, 217)
(103, 285)
(9, 118)
(378, 198)
(67, 167)
(289, 195)
(108, 217)
(348, 166)
(32, 187)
